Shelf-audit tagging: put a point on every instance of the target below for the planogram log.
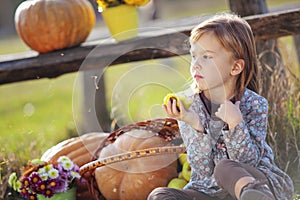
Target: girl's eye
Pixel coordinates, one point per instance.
(207, 57)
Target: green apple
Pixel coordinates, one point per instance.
(177, 183)
(180, 175)
(179, 97)
(169, 97)
(186, 171)
(182, 158)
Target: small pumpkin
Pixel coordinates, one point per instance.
(48, 25)
(79, 149)
(136, 178)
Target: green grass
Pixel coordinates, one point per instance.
(35, 115)
(289, 55)
(12, 44)
(271, 3)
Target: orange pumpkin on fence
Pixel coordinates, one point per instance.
(47, 25)
(136, 178)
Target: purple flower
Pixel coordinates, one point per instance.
(48, 178)
(24, 192)
(41, 187)
(25, 181)
(35, 178)
(62, 185)
(32, 196)
(53, 183)
(48, 193)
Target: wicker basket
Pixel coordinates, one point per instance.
(165, 128)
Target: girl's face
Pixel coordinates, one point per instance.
(211, 67)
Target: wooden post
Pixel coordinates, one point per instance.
(266, 49)
(248, 7)
(297, 46)
(94, 107)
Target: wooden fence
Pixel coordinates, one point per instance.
(160, 44)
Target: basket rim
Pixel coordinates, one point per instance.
(155, 151)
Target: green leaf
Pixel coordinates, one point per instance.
(12, 179)
(17, 186)
(37, 162)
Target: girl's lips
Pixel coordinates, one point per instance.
(198, 77)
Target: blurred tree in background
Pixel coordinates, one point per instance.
(7, 9)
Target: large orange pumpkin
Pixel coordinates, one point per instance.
(136, 178)
(79, 149)
(47, 25)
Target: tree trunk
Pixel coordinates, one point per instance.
(268, 53)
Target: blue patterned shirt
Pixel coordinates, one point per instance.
(244, 143)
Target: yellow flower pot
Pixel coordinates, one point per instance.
(122, 21)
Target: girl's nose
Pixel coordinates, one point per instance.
(196, 66)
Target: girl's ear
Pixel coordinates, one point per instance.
(238, 67)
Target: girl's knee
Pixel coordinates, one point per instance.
(223, 166)
(160, 193)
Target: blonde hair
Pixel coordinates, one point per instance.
(235, 35)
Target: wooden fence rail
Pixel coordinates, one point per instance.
(149, 45)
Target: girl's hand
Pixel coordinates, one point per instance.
(182, 114)
(230, 113)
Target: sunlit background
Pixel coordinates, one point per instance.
(37, 114)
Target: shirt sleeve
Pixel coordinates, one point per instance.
(245, 142)
(198, 149)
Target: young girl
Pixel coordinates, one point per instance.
(225, 128)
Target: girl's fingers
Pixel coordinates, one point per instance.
(229, 111)
(218, 113)
(164, 107)
(221, 111)
(168, 108)
(174, 107)
(237, 104)
(181, 106)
